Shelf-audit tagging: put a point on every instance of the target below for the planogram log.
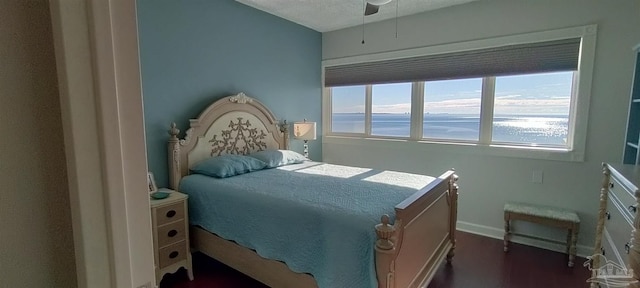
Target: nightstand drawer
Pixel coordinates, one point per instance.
(170, 213)
(171, 233)
(172, 254)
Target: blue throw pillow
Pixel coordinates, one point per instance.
(228, 165)
(276, 158)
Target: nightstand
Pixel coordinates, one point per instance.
(171, 234)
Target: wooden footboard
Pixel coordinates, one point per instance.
(409, 252)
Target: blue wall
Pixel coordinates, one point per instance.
(197, 51)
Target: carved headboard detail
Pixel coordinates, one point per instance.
(240, 138)
(236, 124)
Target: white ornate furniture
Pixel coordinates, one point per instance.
(550, 216)
(617, 234)
(408, 252)
(171, 234)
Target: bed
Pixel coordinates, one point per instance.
(415, 234)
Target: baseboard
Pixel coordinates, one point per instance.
(492, 232)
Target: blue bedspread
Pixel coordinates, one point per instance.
(317, 218)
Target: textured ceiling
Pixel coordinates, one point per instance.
(329, 15)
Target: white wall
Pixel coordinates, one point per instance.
(486, 182)
(36, 240)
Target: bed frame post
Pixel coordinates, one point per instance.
(604, 196)
(386, 253)
(174, 157)
(453, 197)
(284, 128)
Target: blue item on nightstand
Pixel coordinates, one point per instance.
(160, 195)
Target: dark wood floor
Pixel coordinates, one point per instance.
(479, 262)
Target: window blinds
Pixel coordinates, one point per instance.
(549, 56)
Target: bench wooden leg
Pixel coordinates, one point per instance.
(569, 233)
(574, 241)
(507, 232)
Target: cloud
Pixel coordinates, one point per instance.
(349, 109)
(532, 106)
(509, 96)
(510, 104)
(392, 108)
(467, 106)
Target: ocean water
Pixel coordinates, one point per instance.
(529, 129)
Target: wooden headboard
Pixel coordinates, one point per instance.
(235, 124)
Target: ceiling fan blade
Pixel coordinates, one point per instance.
(371, 9)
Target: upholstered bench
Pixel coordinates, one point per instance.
(545, 215)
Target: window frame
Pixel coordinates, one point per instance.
(578, 110)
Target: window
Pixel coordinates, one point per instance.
(347, 109)
(531, 93)
(532, 109)
(528, 110)
(391, 109)
(452, 109)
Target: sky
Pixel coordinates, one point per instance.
(545, 93)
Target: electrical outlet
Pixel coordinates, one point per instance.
(537, 176)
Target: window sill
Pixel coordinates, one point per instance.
(526, 152)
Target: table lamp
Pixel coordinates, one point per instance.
(304, 131)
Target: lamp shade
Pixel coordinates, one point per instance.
(304, 130)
